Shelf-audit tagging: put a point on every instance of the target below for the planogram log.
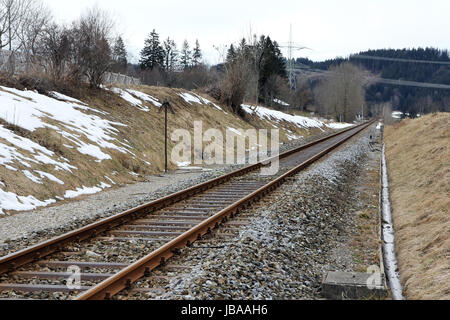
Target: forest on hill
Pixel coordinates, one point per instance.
(404, 66)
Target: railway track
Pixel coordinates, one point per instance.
(147, 236)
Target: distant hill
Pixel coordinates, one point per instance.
(411, 100)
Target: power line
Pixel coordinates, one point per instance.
(316, 73)
(364, 57)
(412, 83)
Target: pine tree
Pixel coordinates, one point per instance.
(119, 55)
(170, 55)
(231, 55)
(197, 54)
(152, 56)
(185, 58)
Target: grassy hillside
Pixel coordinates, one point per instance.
(418, 157)
(54, 147)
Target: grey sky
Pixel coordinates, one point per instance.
(329, 28)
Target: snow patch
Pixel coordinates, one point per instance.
(33, 178)
(281, 102)
(189, 98)
(195, 98)
(278, 116)
(338, 126)
(29, 109)
(40, 155)
(145, 97)
(49, 177)
(81, 191)
(13, 202)
(235, 131)
(183, 164)
(397, 114)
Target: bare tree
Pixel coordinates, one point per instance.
(234, 85)
(386, 109)
(57, 50)
(12, 16)
(32, 29)
(91, 45)
(341, 95)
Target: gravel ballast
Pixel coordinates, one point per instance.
(21, 230)
(298, 235)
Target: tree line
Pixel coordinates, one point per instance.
(75, 52)
(409, 100)
(85, 49)
(253, 71)
(163, 63)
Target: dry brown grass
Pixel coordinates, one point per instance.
(366, 240)
(418, 159)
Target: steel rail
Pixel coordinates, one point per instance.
(124, 279)
(39, 251)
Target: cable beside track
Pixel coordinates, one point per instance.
(170, 223)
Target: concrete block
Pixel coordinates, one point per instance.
(351, 286)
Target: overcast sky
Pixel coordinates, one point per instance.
(330, 28)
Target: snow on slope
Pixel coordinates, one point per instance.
(338, 126)
(190, 98)
(70, 194)
(281, 102)
(28, 109)
(300, 121)
(136, 98)
(125, 95)
(278, 116)
(87, 133)
(10, 201)
(145, 97)
(40, 155)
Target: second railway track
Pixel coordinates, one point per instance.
(148, 236)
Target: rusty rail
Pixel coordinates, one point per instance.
(143, 267)
(13, 261)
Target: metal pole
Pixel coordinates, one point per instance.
(166, 106)
(165, 134)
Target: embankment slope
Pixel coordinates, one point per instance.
(54, 147)
(418, 158)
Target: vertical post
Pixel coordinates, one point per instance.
(165, 134)
(166, 106)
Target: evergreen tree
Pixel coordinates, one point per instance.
(197, 54)
(119, 55)
(185, 58)
(170, 55)
(152, 56)
(231, 55)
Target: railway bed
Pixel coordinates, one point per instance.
(115, 252)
